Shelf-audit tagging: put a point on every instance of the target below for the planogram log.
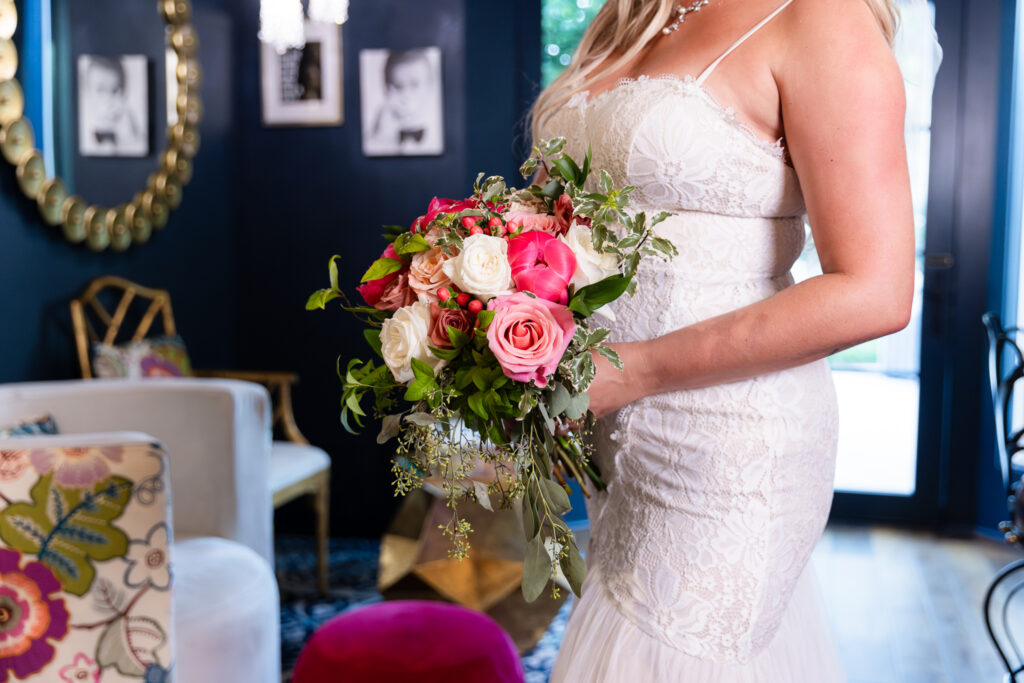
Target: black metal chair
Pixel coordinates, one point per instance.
(1003, 606)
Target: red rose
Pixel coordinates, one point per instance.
(373, 290)
(439, 206)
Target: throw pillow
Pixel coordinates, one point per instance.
(36, 426)
(154, 357)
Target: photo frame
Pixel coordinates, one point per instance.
(402, 102)
(304, 87)
(113, 106)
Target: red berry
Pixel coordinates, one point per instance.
(462, 299)
(495, 222)
(469, 221)
(444, 294)
(475, 306)
(476, 230)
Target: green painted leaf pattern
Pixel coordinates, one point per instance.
(69, 529)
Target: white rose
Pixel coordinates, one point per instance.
(404, 337)
(591, 265)
(481, 268)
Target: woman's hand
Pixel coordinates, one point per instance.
(613, 388)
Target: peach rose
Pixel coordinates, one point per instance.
(426, 273)
(519, 220)
(529, 336)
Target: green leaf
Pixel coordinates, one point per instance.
(445, 354)
(664, 246)
(536, 569)
(457, 337)
(529, 167)
(556, 496)
(476, 404)
(485, 317)
(573, 567)
(610, 353)
(560, 399)
(606, 182)
(528, 512)
(69, 529)
(372, 336)
(332, 269)
(382, 267)
(568, 169)
(410, 243)
(585, 171)
(320, 298)
(592, 297)
(578, 406)
(553, 190)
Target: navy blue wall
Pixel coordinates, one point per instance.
(194, 256)
(307, 193)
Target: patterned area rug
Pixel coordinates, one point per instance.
(353, 567)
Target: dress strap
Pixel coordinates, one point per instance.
(707, 72)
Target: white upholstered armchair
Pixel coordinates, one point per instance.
(215, 435)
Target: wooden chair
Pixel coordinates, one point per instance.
(101, 315)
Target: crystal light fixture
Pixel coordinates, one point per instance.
(282, 24)
(328, 11)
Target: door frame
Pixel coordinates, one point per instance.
(965, 221)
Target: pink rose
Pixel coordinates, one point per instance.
(396, 294)
(439, 206)
(529, 336)
(522, 220)
(373, 290)
(564, 214)
(541, 264)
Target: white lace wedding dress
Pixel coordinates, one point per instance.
(716, 497)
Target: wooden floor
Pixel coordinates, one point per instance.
(906, 606)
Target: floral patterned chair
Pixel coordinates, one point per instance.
(101, 579)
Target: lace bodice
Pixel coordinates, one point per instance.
(683, 151)
(716, 496)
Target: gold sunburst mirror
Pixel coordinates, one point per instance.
(132, 221)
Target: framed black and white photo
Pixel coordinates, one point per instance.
(113, 106)
(304, 87)
(402, 102)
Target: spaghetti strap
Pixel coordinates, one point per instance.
(707, 72)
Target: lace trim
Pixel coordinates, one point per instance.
(776, 149)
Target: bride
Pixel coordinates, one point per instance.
(718, 440)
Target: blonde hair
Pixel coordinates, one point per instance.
(619, 33)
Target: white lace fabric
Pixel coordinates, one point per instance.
(716, 496)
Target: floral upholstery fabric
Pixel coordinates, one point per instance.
(85, 573)
(36, 426)
(154, 357)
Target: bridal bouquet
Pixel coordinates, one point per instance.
(483, 314)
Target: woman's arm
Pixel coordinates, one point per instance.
(842, 101)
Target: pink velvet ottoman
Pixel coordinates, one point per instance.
(410, 640)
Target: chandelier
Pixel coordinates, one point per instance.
(282, 24)
(328, 11)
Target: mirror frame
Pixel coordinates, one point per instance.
(97, 226)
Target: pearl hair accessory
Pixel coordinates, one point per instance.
(681, 12)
